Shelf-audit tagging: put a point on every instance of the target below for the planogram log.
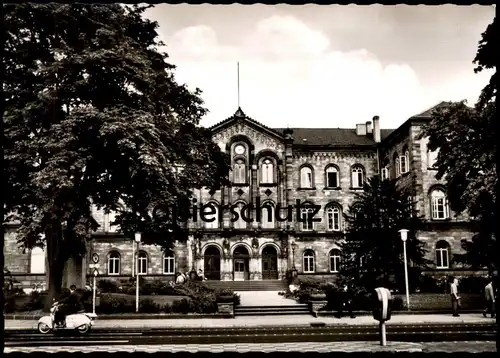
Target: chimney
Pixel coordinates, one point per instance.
(368, 127)
(376, 129)
(361, 129)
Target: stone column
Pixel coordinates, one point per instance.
(254, 267)
(189, 252)
(254, 192)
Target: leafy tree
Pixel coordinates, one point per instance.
(93, 115)
(467, 141)
(372, 250)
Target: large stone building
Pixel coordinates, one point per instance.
(274, 166)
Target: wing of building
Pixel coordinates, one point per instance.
(274, 167)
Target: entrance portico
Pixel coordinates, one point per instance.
(241, 260)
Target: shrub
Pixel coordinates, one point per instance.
(147, 305)
(472, 284)
(397, 304)
(36, 301)
(116, 304)
(9, 304)
(181, 306)
(107, 286)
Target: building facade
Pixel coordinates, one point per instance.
(276, 168)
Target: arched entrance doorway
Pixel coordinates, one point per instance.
(269, 263)
(212, 263)
(241, 259)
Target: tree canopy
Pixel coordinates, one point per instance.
(372, 251)
(94, 115)
(467, 159)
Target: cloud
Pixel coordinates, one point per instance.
(291, 75)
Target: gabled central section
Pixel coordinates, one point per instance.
(260, 137)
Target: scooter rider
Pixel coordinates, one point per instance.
(67, 306)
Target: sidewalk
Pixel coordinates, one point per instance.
(323, 347)
(265, 321)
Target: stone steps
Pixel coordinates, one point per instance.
(264, 285)
(301, 309)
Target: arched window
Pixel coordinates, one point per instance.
(142, 263)
(267, 172)
(332, 177)
(404, 162)
(442, 255)
(306, 217)
(240, 223)
(308, 259)
(113, 263)
(439, 205)
(306, 177)
(267, 216)
(333, 218)
(358, 177)
(168, 263)
(37, 260)
(239, 172)
(335, 260)
(208, 216)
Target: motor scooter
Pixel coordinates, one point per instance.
(80, 321)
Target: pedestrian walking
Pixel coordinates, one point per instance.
(346, 302)
(455, 298)
(489, 295)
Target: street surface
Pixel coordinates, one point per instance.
(325, 347)
(173, 336)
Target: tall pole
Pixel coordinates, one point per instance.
(238, 74)
(406, 277)
(93, 293)
(133, 259)
(137, 281)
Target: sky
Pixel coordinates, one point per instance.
(324, 66)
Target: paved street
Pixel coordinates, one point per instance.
(324, 347)
(262, 321)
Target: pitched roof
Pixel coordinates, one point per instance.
(428, 113)
(314, 136)
(332, 136)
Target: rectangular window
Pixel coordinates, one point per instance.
(385, 173)
(442, 258)
(308, 264)
(307, 224)
(143, 266)
(332, 180)
(168, 267)
(404, 164)
(439, 208)
(37, 262)
(334, 263)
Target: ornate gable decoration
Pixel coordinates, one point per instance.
(241, 124)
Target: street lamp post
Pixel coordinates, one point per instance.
(294, 270)
(404, 236)
(138, 241)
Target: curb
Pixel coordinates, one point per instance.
(324, 313)
(223, 316)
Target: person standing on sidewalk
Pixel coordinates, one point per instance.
(455, 299)
(489, 294)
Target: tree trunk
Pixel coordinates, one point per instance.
(57, 259)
